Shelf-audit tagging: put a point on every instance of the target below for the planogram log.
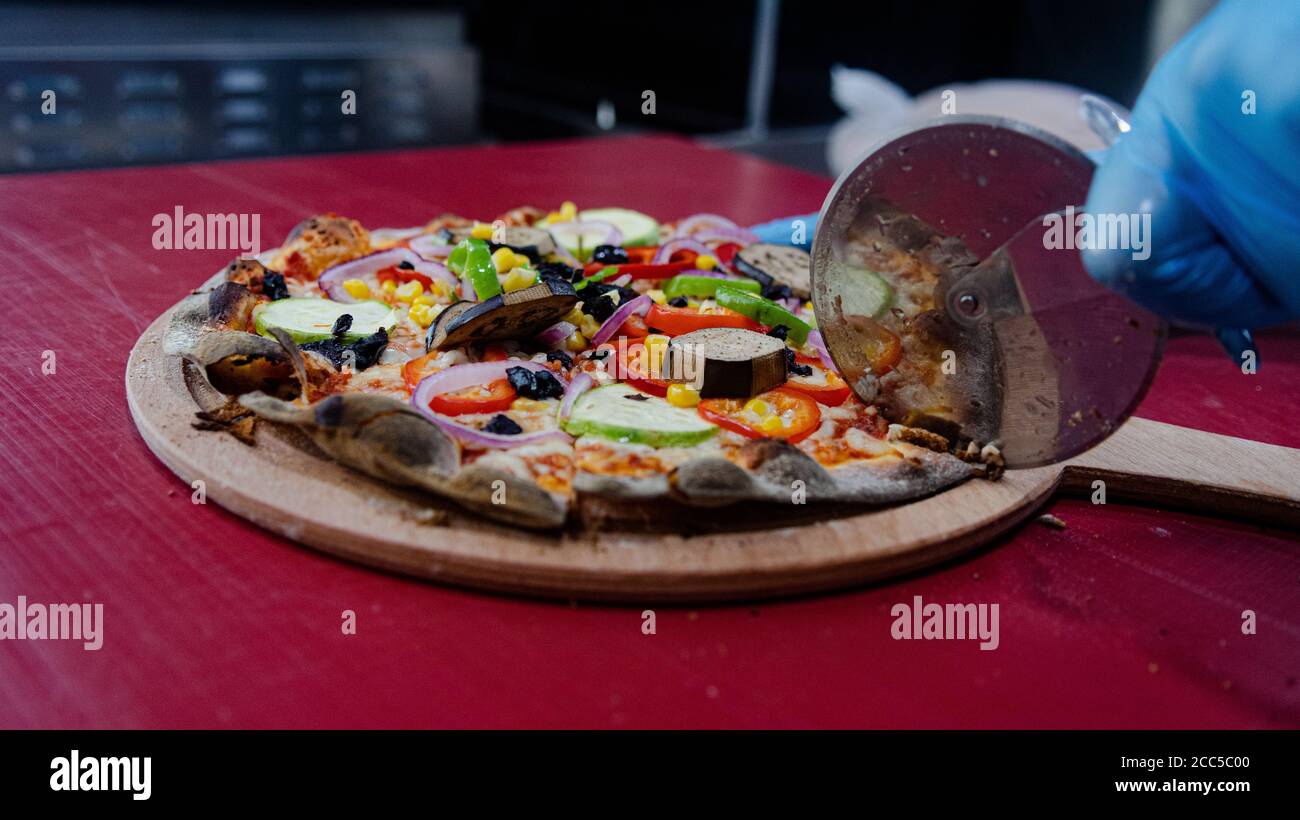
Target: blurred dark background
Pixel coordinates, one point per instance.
(145, 82)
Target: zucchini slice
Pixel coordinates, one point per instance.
(307, 319)
(638, 229)
(623, 413)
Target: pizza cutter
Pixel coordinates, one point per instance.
(1070, 359)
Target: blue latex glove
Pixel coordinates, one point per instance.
(785, 231)
(1222, 186)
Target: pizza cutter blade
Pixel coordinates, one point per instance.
(1069, 359)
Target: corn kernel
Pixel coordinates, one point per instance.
(808, 306)
(521, 261)
(656, 340)
(439, 290)
(568, 210)
(407, 291)
(356, 288)
(574, 317)
(706, 262)
(770, 425)
(682, 395)
(518, 279)
(756, 406)
(425, 299)
(530, 405)
(423, 315)
(481, 231)
(504, 259)
(575, 342)
(389, 287)
(657, 296)
(589, 326)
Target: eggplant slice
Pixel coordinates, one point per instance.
(775, 265)
(737, 363)
(519, 315)
(534, 243)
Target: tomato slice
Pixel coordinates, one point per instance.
(634, 328)
(824, 385)
(492, 397)
(881, 345)
(799, 413)
(402, 275)
(631, 371)
(674, 321)
(642, 255)
(494, 353)
(726, 252)
(416, 369)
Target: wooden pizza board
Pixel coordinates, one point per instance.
(286, 486)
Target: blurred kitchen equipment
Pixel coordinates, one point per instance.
(876, 107)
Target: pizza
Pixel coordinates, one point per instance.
(543, 363)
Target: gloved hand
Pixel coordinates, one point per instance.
(786, 232)
(1222, 186)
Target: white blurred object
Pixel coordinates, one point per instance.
(877, 107)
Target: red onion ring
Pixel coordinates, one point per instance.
(666, 250)
(566, 257)
(394, 234)
(739, 236)
(331, 281)
(691, 224)
(613, 235)
(555, 335)
(639, 306)
(581, 384)
(715, 274)
(815, 339)
(430, 246)
(462, 376)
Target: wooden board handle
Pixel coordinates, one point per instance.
(1176, 466)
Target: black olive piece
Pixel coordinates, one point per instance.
(341, 325)
(274, 287)
(405, 265)
(678, 301)
(368, 350)
(598, 355)
(600, 308)
(779, 332)
(560, 356)
(362, 353)
(559, 270)
(329, 348)
(637, 397)
(502, 425)
(446, 235)
(534, 384)
(794, 367)
(609, 255)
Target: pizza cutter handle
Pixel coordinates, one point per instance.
(1172, 466)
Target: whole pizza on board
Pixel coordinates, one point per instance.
(520, 365)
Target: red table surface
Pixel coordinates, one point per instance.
(1129, 617)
